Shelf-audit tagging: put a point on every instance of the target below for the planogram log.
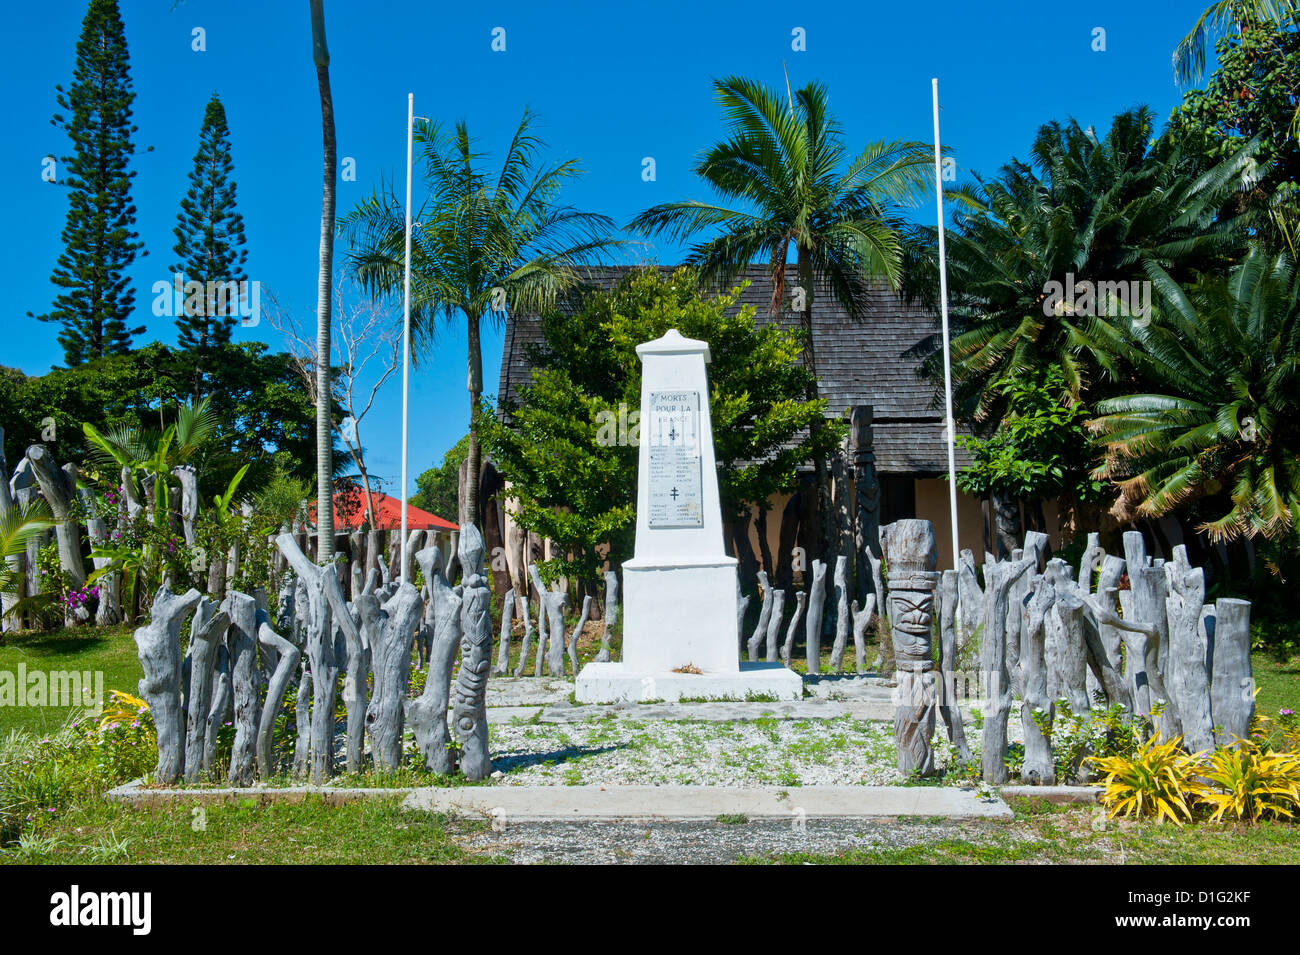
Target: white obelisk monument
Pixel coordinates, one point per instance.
(679, 610)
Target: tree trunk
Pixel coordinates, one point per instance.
(474, 461)
(1232, 697)
(324, 286)
(207, 633)
(774, 625)
(245, 684)
(1006, 525)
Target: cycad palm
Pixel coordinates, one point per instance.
(1113, 209)
(1224, 413)
(791, 188)
(477, 232)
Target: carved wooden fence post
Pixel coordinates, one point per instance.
(577, 632)
(998, 580)
(427, 714)
(1189, 683)
(207, 633)
(325, 610)
(288, 657)
(158, 645)
(842, 622)
(774, 625)
(813, 630)
(911, 555)
(390, 650)
(787, 648)
(611, 615)
(764, 614)
(470, 713)
(1232, 696)
(1039, 767)
(507, 622)
(949, 698)
(245, 683)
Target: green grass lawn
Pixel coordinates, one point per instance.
(375, 832)
(110, 650)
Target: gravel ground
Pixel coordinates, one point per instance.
(623, 751)
(684, 843)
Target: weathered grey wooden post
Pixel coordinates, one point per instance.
(911, 555)
(245, 683)
(158, 645)
(1039, 768)
(59, 488)
(611, 616)
(999, 577)
(862, 620)
(949, 698)
(842, 622)
(390, 656)
(527, 643)
(326, 609)
(787, 648)
(1150, 587)
(507, 624)
(207, 633)
(1232, 694)
(109, 611)
(353, 658)
(469, 715)
(813, 631)
(971, 598)
(188, 479)
(774, 622)
(764, 614)
(742, 605)
(286, 665)
(427, 714)
(1188, 680)
(577, 632)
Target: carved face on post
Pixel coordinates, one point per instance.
(911, 554)
(911, 614)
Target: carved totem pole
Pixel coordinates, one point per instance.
(911, 555)
(469, 716)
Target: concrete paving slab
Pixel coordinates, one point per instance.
(542, 803)
(1058, 795)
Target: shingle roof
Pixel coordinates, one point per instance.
(871, 362)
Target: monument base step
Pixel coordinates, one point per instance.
(615, 683)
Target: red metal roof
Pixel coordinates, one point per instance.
(350, 513)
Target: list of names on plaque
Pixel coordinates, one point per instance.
(676, 458)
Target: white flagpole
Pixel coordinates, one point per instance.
(406, 326)
(949, 424)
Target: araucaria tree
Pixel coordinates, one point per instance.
(209, 241)
(483, 242)
(99, 239)
(790, 189)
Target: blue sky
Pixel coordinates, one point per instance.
(613, 83)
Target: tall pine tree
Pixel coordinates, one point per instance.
(210, 238)
(98, 236)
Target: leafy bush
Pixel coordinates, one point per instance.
(1158, 780)
(41, 776)
(1252, 783)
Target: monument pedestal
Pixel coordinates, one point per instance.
(618, 683)
(679, 591)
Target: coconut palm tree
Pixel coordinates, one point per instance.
(1118, 208)
(484, 242)
(1220, 18)
(1221, 423)
(790, 189)
(324, 283)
